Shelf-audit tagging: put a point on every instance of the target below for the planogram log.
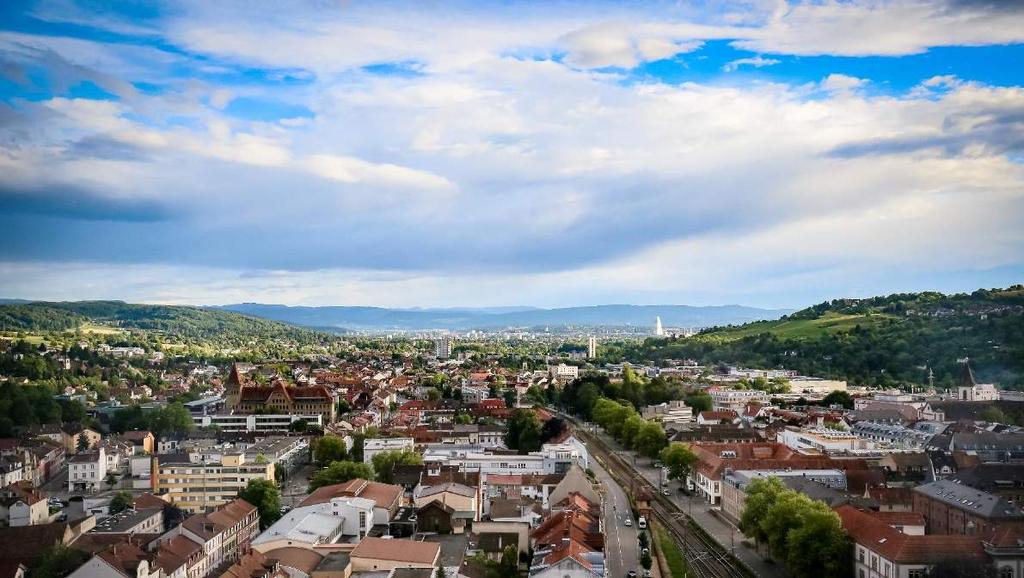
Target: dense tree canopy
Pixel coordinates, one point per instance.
(340, 472)
(329, 448)
(524, 431)
(265, 496)
(805, 534)
(679, 459)
(384, 463)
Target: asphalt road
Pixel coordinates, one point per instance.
(294, 489)
(697, 508)
(621, 548)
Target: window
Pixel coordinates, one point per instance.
(860, 555)
(1006, 572)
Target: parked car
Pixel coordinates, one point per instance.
(627, 522)
(631, 574)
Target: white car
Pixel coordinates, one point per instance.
(628, 522)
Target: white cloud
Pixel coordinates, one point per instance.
(842, 83)
(353, 170)
(756, 62)
(495, 173)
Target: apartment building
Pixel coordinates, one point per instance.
(821, 440)
(715, 460)
(882, 551)
(735, 399)
(951, 508)
(563, 372)
(194, 549)
(22, 505)
(258, 423)
(197, 485)
(87, 471)
(672, 412)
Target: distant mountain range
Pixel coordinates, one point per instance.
(363, 318)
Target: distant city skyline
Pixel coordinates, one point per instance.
(767, 154)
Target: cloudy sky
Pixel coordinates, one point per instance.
(446, 154)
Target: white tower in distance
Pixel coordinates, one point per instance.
(658, 329)
(443, 347)
(592, 347)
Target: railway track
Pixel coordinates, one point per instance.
(704, 556)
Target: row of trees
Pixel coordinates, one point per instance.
(339, 466)
(581, 395)
(622, 422)
(31, 404)
(169, 419)
(804, 534)
(526, 434)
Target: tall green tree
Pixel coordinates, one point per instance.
(761, 494)
(174, 418)
(56, 562)
(630, 428)
(699, 401)
(339, 473)
(266, 497)
(524, 431)
(329, 448)
(679, 459)
(384, 463)
(120, 502)
(650, 439)
(819, 546)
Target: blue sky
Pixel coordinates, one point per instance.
(472, 154)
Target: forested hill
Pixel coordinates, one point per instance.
(887, 340)
(172, 320)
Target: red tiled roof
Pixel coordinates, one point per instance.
(877, 536)
(727, 414)
(397, 550)
(300, 558)
(251, 565)
(384, 495)
(900, 518)
(761, 456)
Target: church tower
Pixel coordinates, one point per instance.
(233, 388)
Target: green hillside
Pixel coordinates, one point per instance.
(172, 321)
(890, 340)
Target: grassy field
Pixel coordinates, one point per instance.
(673, 555)
(98, 329)
(804, 328)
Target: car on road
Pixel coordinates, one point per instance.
(631, 574)
(647, 574)
(665, 492)
(627, 522)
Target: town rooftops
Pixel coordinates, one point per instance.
(126, 520)
(397, 550)
(880, 537)
(971, 500)
(311, 525)
(384, 495)
(450, 487)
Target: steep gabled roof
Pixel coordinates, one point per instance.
(878, 536)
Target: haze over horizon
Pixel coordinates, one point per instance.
(768, 154)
